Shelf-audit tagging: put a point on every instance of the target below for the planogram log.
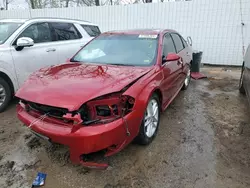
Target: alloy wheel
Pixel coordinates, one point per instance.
(188, 77)
(2, 94)
(151, 118)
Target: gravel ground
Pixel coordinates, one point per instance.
(203, 141)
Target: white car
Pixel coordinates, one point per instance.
(28, 45)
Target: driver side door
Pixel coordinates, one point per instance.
(170, 70)
(42, 54)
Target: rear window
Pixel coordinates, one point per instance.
(65, 31)
(92, 30)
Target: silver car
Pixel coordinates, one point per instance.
(28, 45)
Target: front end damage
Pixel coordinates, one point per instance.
(102, 124)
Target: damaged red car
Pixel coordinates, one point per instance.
(109, 94)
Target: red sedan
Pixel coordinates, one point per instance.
(109, 94)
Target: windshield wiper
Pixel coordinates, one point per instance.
(120, 64)
(72, 60)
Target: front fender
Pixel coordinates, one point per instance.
(6, 65)
(142, 90)
(147, 92)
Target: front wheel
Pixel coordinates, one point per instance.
(150, 123)
(5, 94)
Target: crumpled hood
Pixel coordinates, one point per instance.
(72, 84)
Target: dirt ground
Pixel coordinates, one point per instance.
(203, 141)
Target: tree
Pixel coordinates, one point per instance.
(97, 3)
(39, 4)
(145, 1)
(32, 4)
(67, 3)
(6, 4)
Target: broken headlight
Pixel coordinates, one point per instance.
(106, 108)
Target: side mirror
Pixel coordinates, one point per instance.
(172, 57)
(24, 42)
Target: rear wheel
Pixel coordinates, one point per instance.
(241, 85)
(150, 123)
(187, 79)
(5, 94)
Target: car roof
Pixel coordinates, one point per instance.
(140, 31)
(48, 19)
(13, 20)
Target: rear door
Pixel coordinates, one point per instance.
(68, 39)
(170, 70)
(181, 51)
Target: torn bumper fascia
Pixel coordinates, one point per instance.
(83, 139)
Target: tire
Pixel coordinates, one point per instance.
(145, 135)
(241, 85)
(187, 79)
(4, 90)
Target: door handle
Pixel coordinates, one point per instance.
(51, 50)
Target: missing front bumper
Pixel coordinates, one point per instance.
(84, 139)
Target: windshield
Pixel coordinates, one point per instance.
(120, 49)
(6, 29)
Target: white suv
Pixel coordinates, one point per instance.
(28, 45)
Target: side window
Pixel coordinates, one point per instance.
(178, 43)
(92, 30)
(168, 45)
(39, 32)
(65, 31)
(184, 42)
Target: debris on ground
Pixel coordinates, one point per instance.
(40, 180)
(197, 75)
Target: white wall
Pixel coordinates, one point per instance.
(214, 25)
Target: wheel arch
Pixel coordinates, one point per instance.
(148, 92)
(158, 92)
(4, 76)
